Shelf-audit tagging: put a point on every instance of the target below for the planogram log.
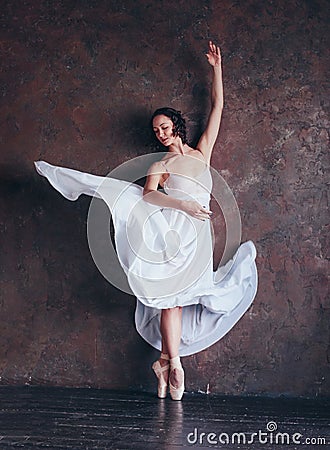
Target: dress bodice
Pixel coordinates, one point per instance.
(187, 187)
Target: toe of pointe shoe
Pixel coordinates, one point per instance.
(162, 391)
(176, 393)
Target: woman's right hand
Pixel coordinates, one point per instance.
(195, 209)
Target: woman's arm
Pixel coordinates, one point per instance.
(155, 197)
(208, 138)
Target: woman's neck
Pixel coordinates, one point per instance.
(178, 147)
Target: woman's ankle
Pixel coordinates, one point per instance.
(175, 362)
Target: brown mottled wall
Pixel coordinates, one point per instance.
(79, 80)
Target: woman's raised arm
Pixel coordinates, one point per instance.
(208, 138)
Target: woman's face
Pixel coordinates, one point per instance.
(163, 128)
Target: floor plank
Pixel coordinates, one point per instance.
(66, 418)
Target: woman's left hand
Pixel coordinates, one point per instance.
(214, 55)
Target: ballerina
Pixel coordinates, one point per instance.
(183, 306)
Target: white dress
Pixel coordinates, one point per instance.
(167, 256)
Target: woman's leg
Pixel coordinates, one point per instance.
(171, 328)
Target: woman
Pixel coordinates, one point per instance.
(171, 137)
(182, 305)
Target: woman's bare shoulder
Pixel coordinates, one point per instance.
(156, 168)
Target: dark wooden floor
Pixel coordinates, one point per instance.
(58, 418)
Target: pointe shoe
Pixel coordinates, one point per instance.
(176, 392)
(159, 370)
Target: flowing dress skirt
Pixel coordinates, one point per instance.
(167, 258)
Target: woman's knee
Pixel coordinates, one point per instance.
(172, 311)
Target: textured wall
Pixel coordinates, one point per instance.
(79, 81)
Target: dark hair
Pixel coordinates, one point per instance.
(177, 119)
